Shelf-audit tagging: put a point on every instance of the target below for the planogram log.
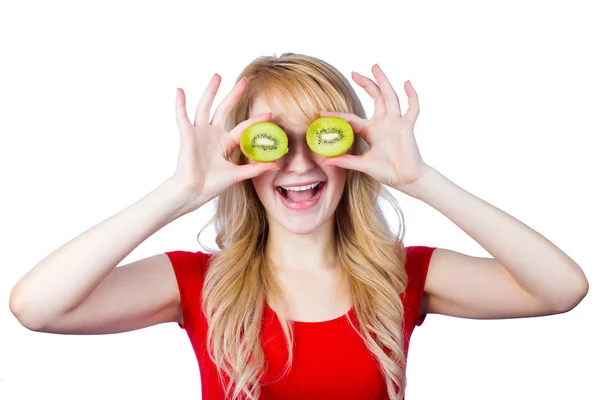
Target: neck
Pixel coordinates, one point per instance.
(313, 251)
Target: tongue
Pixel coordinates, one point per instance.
(303, 195)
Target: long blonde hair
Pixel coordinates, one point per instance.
(370, 254)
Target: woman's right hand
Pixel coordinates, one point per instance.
(203, 167)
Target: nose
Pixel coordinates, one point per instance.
(299, 159)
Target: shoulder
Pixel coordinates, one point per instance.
(417, 259)
(416, 264)
(189, 268)
(189, 262)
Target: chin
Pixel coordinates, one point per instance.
(301, 227)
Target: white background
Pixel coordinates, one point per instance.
(509, 111)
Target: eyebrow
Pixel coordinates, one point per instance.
(279, 121)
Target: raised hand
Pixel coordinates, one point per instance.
(393, 157)
(203, 166)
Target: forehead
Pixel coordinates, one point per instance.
(280, 115)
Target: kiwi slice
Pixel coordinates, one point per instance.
(264, 142)
(329, 136)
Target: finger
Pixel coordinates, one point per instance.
(203, 109)
(183, 122)
(222, 112)
(347, 161)
(357, 123)
(372, 90)
(413, 102)
(391, 98)
(249, 171)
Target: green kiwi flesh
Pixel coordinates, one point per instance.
(329, 136)
(264, 142)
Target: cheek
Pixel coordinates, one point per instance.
(337, 176)
(263, 184)
(259, 184)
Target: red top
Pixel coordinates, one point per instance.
(330, 359)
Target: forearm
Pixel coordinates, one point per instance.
(538, 266)
(62, 280)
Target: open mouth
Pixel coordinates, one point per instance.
(299, 196)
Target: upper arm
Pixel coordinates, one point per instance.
(132, 296)
(476, 287)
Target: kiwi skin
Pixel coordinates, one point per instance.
(264, 142)
(329, 136)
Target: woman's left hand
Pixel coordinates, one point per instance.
(393, 157)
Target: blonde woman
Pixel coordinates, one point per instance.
(310, 295)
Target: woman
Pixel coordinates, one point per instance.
(311, 294)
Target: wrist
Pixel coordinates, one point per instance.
(178, 198)
(423, 184)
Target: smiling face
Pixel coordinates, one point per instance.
(306, 208)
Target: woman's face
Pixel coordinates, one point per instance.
(297, 211)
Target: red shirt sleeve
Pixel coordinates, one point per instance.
(189, 269)
(417, 266)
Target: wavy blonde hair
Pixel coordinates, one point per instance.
(371, 256)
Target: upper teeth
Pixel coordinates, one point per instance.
(299, 188)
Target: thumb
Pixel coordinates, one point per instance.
(347, 161)
(249, 171)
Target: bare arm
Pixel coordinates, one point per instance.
(133, 296)
(66, 277)
(527, 276)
